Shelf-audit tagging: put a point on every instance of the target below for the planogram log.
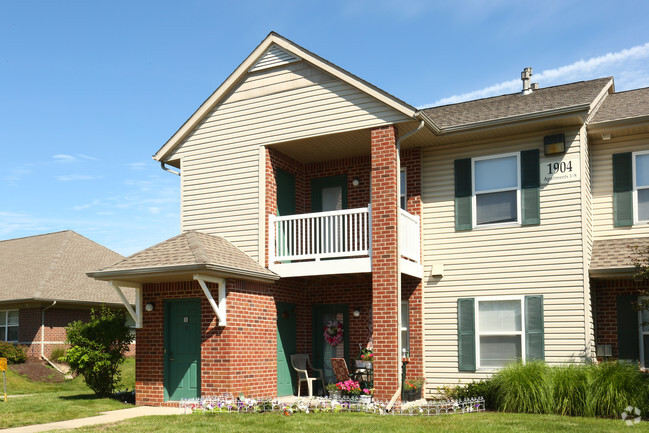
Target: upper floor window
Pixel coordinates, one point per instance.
(9, 325)
(403, 197)
(641, 186)
(496, 189)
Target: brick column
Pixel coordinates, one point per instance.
(385, 293)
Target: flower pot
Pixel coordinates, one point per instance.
(368, 365)
(360, 364)
(365, 399)
(334, 395)
(411, 395)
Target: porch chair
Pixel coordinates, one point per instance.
(339, 366)
(300, 363)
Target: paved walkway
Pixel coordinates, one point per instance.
(105, 418)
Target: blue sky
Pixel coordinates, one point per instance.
(89, 90)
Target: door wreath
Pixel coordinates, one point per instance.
(333, 332)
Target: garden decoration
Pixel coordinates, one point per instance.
(333, 332)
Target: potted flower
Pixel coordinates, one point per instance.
(351, 388)
(364, 359)
(333, 390)
(412, 389)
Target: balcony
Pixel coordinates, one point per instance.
(336, 242)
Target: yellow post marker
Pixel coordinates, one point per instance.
(3, 369)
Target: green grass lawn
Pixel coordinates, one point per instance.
(50, 402)
(348, 423)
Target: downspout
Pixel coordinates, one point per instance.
(43, 338)
(164, 167)
(398, 145)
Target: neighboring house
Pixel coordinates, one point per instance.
(461, 235)
(43, 287)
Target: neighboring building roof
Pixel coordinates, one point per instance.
(623, 105)
(191, 251)
(544, 101)
(52, 267)
(614, 254)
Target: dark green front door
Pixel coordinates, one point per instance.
(286, 346)
(322, 350)
(285, 192)
(182, 349)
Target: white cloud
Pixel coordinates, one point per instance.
(89, 158)
(138, 165)
(64, 158)
(618, 64)
(75, 177)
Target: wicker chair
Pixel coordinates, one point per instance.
(340, 369)
(300, 363)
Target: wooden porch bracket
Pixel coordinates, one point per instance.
(137, 314)
(220, 309)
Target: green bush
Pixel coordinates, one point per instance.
(523, 388)
(470, 390)
(599, 390)
(15, 353)
(97, 349)
(58, 354)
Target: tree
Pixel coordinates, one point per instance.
(640, 259)
(98, 348)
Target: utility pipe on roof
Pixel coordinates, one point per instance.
(398, 146)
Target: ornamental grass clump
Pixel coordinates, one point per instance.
(570, 389)
(523, 388)
(612, 386)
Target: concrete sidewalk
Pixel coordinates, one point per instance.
(105, 418)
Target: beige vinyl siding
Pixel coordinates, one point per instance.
(501, 261)
(602, 162)
(220, 158)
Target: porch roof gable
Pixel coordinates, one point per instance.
(612, 256)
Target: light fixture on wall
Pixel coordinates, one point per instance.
(356, 181)
(554, 144)
(356, 312)
(149, 307)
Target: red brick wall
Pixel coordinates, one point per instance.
(56, 319)
(605, 300)
(384, 262)
(240, 357)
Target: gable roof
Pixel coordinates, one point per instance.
(184, 254)
(272, 41)
(563, 99)
(52, 267)
(622, 106)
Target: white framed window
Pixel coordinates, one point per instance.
(499, 327)
(496, 189)
(403, 193)
(9, 326)
(405, 329)
(643, 333)
(641, 186)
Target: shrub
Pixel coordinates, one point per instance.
(570, 389)
(523, 388)
(58, 354)
(97, 349)
(15, 353)
(612, 386)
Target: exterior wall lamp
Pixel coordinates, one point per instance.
(356, 181)
(554, 144)
(149, 307)
(356, 312)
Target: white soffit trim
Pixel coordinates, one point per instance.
(296, 51)
(274, 56)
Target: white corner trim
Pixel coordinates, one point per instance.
(220, 309)
(137, 313)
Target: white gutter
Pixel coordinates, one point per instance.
(164, 167)
(399, 372)
(43, 338)
(220, 309)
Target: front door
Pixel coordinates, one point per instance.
(329, 193)
(286, 346)
(323, 351)
(182, 349)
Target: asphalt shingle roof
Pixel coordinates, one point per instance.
(189, 249)
(517, 104)
(53, 266)
(614, 253)
(624, 105)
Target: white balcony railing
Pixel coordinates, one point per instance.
(336, 242)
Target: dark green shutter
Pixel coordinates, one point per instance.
(466, 334)
(534, 334)
(622, 190)
(530, 188)
(463, 192)
(627, 328)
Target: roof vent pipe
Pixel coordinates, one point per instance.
(526, 76)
